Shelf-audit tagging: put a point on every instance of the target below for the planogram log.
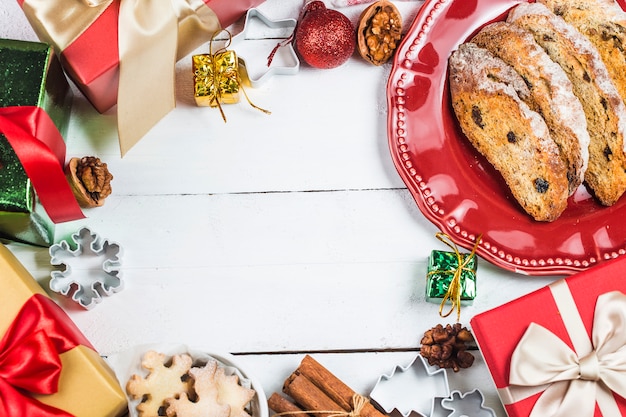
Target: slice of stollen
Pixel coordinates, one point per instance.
(603, 22)
(551, 91)
(485, 95)
(602, 104)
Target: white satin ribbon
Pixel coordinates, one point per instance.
(154, 34)
(96, 3)
(60, 22)
(573, 380)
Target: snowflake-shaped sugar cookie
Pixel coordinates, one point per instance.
(162, 383)
(91, 270)
(233, 394)
(218, 395)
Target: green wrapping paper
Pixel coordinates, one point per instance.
(30, 75)
(441, 268)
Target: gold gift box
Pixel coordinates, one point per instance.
(87, 385)
(216, 78)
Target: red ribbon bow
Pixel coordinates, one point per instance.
(41, 150)
(29, 358)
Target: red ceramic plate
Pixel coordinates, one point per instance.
(454, 186)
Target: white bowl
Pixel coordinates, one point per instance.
(125, 364)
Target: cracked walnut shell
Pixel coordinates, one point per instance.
(89, 179)
(379, 32)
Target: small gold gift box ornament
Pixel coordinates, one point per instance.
(216, 78)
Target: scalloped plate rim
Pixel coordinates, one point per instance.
(540, 264)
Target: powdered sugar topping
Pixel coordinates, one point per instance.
(583, 46)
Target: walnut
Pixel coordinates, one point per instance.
(446, 347)
(89, 179)
(379, 32)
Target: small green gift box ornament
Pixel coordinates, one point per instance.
(451, 276)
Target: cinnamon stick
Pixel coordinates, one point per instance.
(334, 388)
(310, 397)
(284, 406)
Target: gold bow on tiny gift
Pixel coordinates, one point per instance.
(216, 78)
(451, 276)
(573, 380)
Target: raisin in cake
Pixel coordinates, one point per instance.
(485, 95)
(550, 89)
(603, 22)
(603, 106)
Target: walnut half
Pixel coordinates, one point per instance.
(379, 32)
(446, 347)
(89, 179)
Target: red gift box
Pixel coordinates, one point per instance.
(91, 54)
(561, 350)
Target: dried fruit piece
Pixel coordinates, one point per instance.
(89, 179)
(379, 32)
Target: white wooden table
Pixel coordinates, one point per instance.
(269, 236)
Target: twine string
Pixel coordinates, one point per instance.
(358, 403)
(214, 75)
(230, 73)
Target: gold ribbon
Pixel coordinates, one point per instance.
(455, 288)
(573, 380)
(213, 76)
(358, 403)
(153, 35)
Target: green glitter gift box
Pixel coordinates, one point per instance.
(30, 75)
(442, 267)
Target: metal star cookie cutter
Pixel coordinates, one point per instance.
(410, 389)
(92, 269)
(468, 404)
(265, 32)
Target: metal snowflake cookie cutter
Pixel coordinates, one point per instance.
(266, 34)
(92, 269)
(410, 389)
(468, 404)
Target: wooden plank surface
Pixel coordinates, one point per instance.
(268, 236)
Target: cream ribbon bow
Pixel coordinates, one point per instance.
(153, 35)
(579, 378)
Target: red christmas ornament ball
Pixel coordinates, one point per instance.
(324, 38)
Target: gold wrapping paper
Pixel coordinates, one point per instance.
(87, 386)
(216, 79)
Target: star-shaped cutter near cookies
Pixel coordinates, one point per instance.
(91, 269)
(410, 389)
(254, 44)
